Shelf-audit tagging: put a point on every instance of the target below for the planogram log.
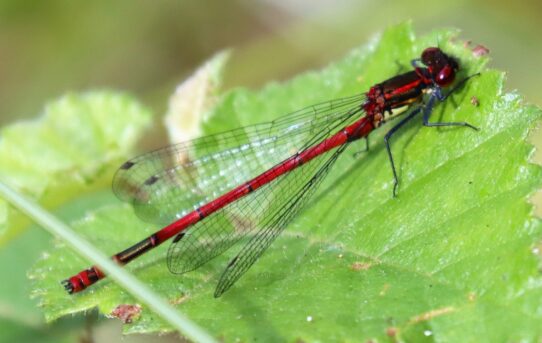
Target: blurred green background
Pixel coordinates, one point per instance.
(147, 47)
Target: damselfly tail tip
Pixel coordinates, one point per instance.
(68, 286)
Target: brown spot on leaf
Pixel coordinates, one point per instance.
(126, 313)
(474, 101)
(432, 314)
(356, 266)
(179, 300)
(391, 331)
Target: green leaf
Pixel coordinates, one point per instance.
(452, 258)
(69, 150)
(66, 152)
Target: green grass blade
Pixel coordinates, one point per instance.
(122, 277)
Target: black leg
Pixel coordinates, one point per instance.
(437, 94)
(357, 153)
(387, 141)
(427, 109)
(460, 84)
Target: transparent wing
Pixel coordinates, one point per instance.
(302, 184)
(248, 215)
(168, 183)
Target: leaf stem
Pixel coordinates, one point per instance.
(120, 275)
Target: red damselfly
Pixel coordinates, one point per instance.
(213, 191)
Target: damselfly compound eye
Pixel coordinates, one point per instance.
(445, 76)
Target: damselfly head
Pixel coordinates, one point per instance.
(441, 66)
